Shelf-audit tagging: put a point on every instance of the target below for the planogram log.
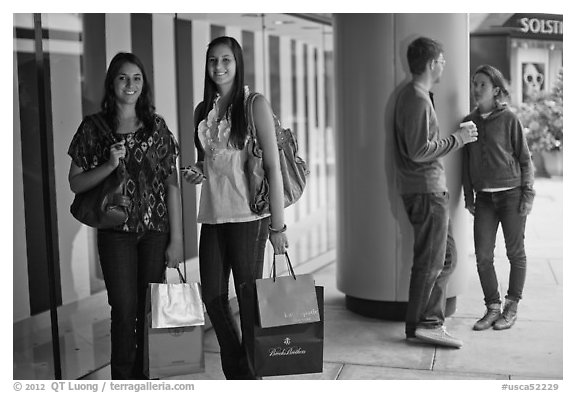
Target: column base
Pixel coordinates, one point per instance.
(390, 311)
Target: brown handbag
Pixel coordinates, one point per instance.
(293, 168)
(105, 205)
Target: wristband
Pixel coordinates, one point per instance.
(283, 229)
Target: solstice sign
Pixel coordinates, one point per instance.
(539, 26)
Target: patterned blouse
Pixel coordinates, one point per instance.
(150, 160)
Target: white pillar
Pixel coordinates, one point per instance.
(374, 237)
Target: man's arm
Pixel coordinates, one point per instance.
(417, 125)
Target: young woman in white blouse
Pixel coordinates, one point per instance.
(232, 238)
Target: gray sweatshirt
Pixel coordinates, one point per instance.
(418, 143)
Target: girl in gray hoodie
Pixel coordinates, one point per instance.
(498, 178)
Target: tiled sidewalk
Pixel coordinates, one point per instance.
(359, 348)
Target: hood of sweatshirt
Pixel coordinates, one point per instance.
(498, 111)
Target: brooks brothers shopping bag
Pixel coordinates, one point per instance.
(282, 350)
(286, 300)
(176, 346)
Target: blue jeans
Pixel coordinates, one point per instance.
(492, 209)
(129, 262)
(434, 259)
(224, 248)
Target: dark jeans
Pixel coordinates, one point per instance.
(434, 259)
(492, 209)
(129, 262)
(224, 248)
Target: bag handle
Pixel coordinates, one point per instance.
(288, 263)
(182, 277)
(103, 126)
(250, 113)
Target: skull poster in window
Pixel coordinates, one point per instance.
(532, 80)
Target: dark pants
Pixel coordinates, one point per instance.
(434, 259)
(129, 262)
(492, 209)
(224, 248)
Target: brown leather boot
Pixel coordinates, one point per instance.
(508, 316)
(492, 314)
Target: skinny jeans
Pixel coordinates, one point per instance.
(130, 261)
(492, 209)
(236, 248)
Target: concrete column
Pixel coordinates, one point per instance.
(374, 249)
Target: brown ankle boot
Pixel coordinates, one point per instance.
(508, 316)
(490, 316)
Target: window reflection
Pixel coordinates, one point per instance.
(288, 58)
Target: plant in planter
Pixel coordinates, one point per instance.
(542, 119)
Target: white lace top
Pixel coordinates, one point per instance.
(224, 195)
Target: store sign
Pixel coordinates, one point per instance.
(542, 26)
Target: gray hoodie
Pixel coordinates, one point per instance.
(500, 158)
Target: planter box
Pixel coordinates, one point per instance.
(553, 162)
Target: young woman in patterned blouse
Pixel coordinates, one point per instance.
(232, 238)
(137, 252)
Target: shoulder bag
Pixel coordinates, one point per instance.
(293, 168)
(105, 205)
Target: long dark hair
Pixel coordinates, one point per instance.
(144, 108)
(239, 129)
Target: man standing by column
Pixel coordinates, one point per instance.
(422, 184)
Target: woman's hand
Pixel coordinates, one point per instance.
(193, 174)
(174, 254)
(117, 152)
(279, 242)
(526, 201)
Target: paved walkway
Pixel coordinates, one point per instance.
(360, 348)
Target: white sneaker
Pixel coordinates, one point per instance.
(438, 336)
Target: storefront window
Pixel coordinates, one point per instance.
(288, 59)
